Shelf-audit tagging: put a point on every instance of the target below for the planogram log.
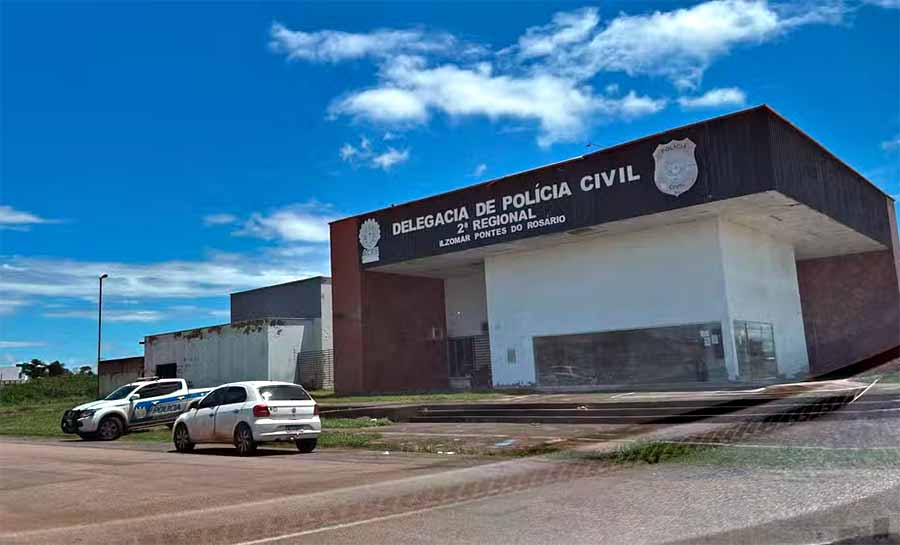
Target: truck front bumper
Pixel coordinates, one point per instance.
(75, 422)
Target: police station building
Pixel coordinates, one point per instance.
(734, 251)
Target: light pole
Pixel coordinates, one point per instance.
(99, 328)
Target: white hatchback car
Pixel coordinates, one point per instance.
(248, 413)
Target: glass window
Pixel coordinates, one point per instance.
(283, 392)
(235, 394)
(212, 399)
(668, 355)
(121, 393)
(159, 389)
(755, 345)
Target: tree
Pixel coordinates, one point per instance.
(85, 370)
(57, 369)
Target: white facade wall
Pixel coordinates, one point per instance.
(761, 286)
(703, 271)
(254, 350)
(327, 335)
(465, 305)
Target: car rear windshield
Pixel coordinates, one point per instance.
(283, 392)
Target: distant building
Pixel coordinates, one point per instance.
(118, 372)
(280, 332)
(11, 375)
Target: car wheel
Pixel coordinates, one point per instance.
(243, 440)
(182, 439)
(85, 436)
(306, 446)
(110, 429)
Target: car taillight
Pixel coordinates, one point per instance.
(316, 409)
(260, 410)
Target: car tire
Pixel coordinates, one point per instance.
(243, 440)
(86, 436)
(110, 428)
(182, 439)
(305, 446)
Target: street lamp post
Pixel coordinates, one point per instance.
(99, 328)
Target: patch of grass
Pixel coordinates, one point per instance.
(82, 387)
(363, 422)
(773, 457)
(343, 439)
(35, 419)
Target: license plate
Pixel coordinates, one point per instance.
(297, 427)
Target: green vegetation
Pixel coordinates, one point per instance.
(775, 457)
(35, 419)
(338, 423)
(82, 388)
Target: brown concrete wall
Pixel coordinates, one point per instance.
(383, 324)
(346, 282)
(399, 313)
(851, 307)
(118, 372)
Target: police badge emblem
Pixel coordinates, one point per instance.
(369, 235)
(676, 167)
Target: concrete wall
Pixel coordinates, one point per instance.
(650, 278)
(761, 286)
(466, 304)
(118, 372)
(253, 350)
(704, 271)
(851, 308)
(300, 299)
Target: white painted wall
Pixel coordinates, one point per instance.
(703, 271)
(255, 350)
(761, 286)
(659, 277)
(465, 304)
(327, 336)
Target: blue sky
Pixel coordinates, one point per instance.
(190, 150)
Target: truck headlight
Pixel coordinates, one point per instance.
(87, 413)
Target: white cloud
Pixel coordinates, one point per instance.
(10, 218)
(479, 170)
(891, 144)
(561, 107)
(72, 279)
(678, 45)
(387, 104)
(219, 219)
(888, 4)
(546, 78)
(300, 222)
(715, 98)
(110, 315)
(9, 306)
(390, 158)
(334, 46)
(371, 157)
(20, 344)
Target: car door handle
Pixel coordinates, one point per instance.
(236, 411)
(180, 398)
(155, 402)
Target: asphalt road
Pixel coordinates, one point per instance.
(53, 492)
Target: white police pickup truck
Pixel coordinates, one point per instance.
(142, 404)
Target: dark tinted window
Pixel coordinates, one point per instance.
(159, 389)
(212, 399)
(283, 392)
(235, 394)
(121, 393)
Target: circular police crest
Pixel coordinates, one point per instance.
(140, 412)
(369, 235)
(676, 167)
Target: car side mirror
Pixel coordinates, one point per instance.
(193, 404)
(135, 397)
